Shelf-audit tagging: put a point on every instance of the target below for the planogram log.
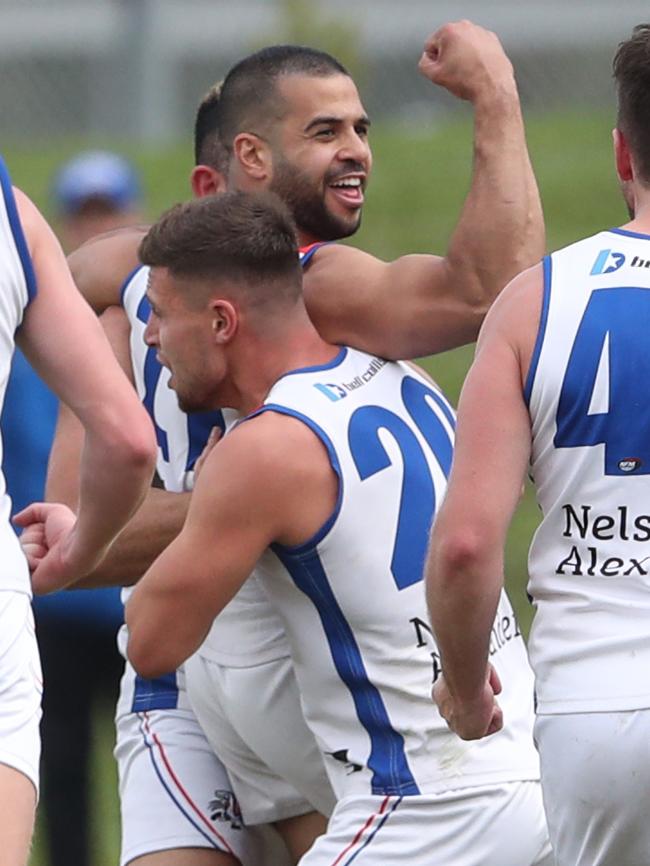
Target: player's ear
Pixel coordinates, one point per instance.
(253, 156)
(225, 320)
(622, 156)
(206, 180)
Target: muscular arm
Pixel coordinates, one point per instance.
(464, 571)
(160, 517)
(101, 265)
(241, 503)
(423, 304)
(64, 342)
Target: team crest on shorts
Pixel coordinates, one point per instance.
(629, 464)
(224, 807)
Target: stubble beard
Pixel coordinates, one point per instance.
(308, 205)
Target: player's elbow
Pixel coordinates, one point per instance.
(459, 552)
(131, 444)
(147, 656)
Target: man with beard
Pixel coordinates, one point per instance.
(316, 132)
(561, 382)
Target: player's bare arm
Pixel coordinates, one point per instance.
(101, 265)
(421, 304)
(269, 480)
(64, 342)
(158, 520)
(464, 571)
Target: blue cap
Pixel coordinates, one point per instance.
(96, 174)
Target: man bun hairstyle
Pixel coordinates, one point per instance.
(632, 75)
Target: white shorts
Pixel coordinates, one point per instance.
(21, 686)
(488, 826)
(253, 720)
(596, 784)
(174, 792)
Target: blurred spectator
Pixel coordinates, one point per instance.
(94, 192)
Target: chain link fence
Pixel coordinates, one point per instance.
(137, 68)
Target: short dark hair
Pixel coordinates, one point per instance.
(243, 238)
(208, 149)
(632, 74)
(249, 96)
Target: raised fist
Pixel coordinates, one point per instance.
(466, 60)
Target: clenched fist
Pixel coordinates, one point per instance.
(466, 60)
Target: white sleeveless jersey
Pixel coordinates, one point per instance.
(17, 288)
(248, 631)
(353, 601)
(588, 391)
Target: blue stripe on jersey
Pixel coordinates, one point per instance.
(391, 773)
(127, 282)
(628, 234)
(308, 252)
(336, 466)
(17, 231)
(336, 361)
(158, 694)
(199, 427)
(546, 299)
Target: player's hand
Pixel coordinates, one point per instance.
(471, 720)
(466, 60)
(46, 540)
(213, 438)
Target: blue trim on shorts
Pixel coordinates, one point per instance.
(158, 694)
(374, 832)
(212, 843)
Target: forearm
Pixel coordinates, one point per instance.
(155, 525)
(501, 228)
(115, 474)
(462, 597)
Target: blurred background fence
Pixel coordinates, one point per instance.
(139, 66)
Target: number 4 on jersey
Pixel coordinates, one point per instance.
(616, 324)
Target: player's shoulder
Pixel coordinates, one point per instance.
(272, 447)
(101, 265)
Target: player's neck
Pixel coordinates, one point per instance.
(263, 361)
(640, 222)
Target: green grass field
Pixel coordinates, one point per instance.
(419, 182)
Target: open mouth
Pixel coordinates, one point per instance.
(348, 190)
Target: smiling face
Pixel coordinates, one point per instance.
(321, 155)
(184, 336)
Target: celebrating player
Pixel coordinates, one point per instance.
(330, 487)
(559, 381)
(321, 143)
(74, 357)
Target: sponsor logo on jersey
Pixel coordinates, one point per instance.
(339, 390)
(629, 464)
(584, 523)
(607, 261)
(331, 391)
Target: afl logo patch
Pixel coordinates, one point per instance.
(629, 464)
